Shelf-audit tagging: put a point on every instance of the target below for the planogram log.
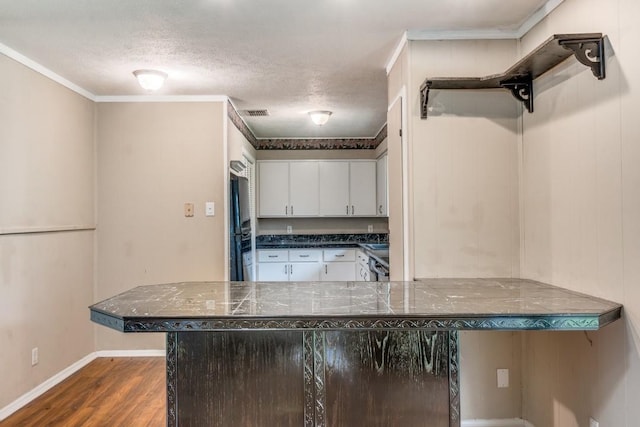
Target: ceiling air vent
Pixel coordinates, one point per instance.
(255, 113)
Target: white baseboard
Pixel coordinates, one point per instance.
(510, 422)
(43, 387)
(67, 372)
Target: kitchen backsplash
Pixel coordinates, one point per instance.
(322, 225)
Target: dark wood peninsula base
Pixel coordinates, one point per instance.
(332, 354)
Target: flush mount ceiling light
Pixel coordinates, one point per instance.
(150, 80)
(320, 117)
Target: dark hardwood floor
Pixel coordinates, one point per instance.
(110, 392)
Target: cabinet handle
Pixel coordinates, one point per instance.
(352, 210)
(347, 209)
(285, 269)
(304, 256)
(286, 210)
(339, 255)
(291, 209)
(326, 270)
(380, 209)
(272, 256)
(290, 268)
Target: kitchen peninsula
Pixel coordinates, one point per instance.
(332, 353)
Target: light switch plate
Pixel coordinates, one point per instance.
(289, 229)
(210, 209)
(503, 378)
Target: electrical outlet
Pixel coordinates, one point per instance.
(370, 228)
(34, 356)
(188, 210)
(503, 378)
(593, 423)
(289, 229)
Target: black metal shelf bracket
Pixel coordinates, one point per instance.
(588, 52)
(522, 89)
(424, 98)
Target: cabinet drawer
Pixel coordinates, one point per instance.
(275, 255)
(331, 255)
(305, 255)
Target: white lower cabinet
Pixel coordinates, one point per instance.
(289, 265)
(304, 272)
(306, 265)
(273, 271)
(339, 265)
(338, 272)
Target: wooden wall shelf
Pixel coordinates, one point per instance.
(588, 48)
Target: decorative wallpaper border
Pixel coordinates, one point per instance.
(304, 143)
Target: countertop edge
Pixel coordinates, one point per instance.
(502, 322)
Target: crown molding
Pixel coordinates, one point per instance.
(538, 16)
(396, 53)
(492, 34)
(38, 68)
(162, 98)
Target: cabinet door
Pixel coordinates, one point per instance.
(273, 184)
(381, 186)
(338, 272)
(303, 188)
(304, 271)
(334, 188)
(362, 186)
(273, 271)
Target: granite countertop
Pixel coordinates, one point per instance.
(460, 304)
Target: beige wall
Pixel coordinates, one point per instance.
(465, 164)
(153, 158)
(47, 179)
(464, 189)
(397, 81)
(581, 218)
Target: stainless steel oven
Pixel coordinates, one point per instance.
(378, 272)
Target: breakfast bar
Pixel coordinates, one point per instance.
(332, 353)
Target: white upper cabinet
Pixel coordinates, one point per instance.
(311, 188)
(334, 188)
(287, 189)
(273, 193)
(381, 186)
(348, 188)
(303, 188)
(362, 186)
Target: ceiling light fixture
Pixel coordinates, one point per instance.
(320, 117)
(150, 80)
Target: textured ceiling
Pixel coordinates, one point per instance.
(288, 56)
